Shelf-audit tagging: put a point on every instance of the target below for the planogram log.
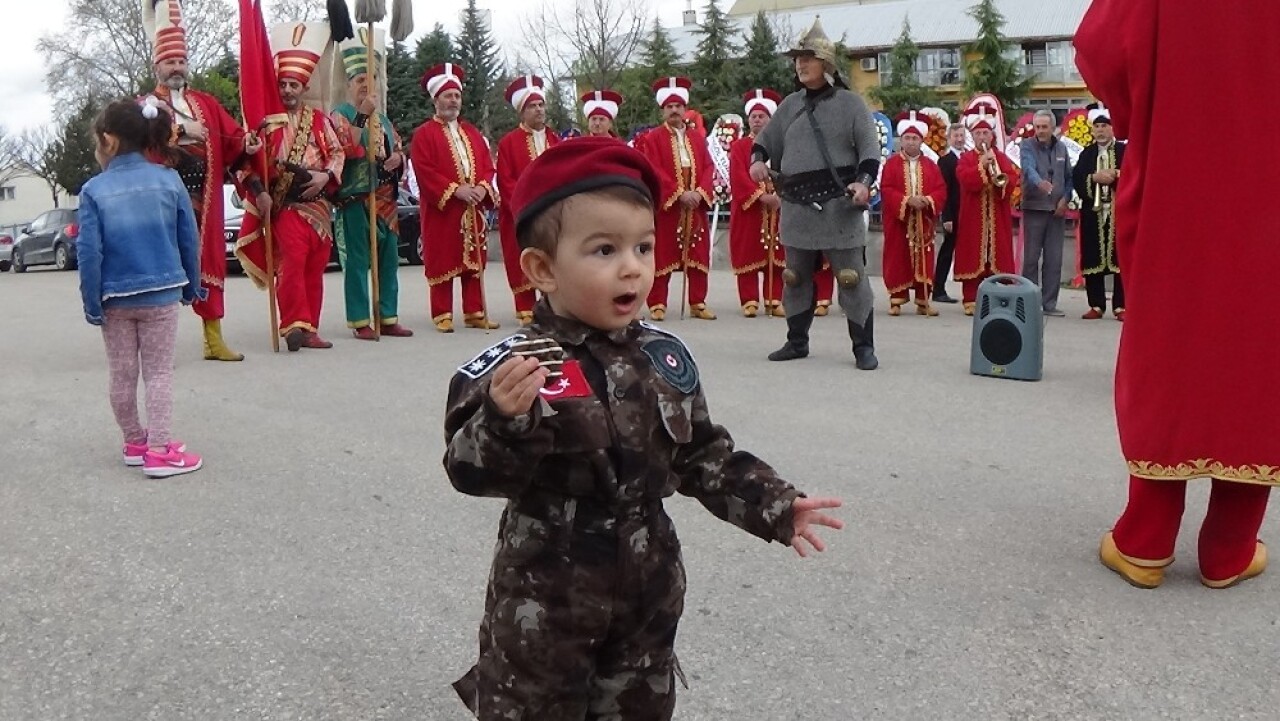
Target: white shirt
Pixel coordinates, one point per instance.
(539, 141)
(682, 149)
(913, 173)
(460, 146)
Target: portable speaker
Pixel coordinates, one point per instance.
(1008, 330)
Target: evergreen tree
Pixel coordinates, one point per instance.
(222, 81)
(657, 53)
(763, 66)
(433, 48)
(901, 89)
(560, 114)
(70, 159)
(478, 56)
(407, 105)
(714, 91)
(992, 72)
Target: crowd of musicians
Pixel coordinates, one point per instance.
(334, 177)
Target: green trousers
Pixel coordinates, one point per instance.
(352, 234)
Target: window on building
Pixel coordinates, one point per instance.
(1046, 54)
(6, 192)
(934, 67)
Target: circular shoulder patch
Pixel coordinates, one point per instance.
(673, 363)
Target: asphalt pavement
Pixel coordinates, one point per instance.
(321, 566)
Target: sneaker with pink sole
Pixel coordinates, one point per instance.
(134, 452)
(173, 462)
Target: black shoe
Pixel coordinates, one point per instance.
(864, 349)
(294, 339)
(789, 352)
(797, 337)
(943, 298)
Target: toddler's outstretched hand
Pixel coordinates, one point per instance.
(516, 384)
(807, 516)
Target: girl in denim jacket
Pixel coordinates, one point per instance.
(139, 257)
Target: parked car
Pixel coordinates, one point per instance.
(410, 245)
(49, 240)
(6, 252)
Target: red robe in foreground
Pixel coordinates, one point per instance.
(454, 233)
(683, 240)
(220, 152)
(908, 232)
(1197, 393)
(516, 151)
(984, 232)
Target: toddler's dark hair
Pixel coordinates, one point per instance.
(543, 232)
(127, 120)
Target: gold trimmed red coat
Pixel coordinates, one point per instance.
(674, 224)
(453, 232)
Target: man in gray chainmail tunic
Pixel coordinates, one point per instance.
(830, 226)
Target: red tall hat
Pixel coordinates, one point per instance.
(761, 99)
(674, 88)
(162, 20)
(586, 164)
(911, 121)
(442, 77)
(981, 115)
(525, 88)
(601, 102)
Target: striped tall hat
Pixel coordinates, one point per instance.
(162, 19)
(298, 48)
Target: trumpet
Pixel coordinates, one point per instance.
(998, 178)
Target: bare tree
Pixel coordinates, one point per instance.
(10, 164)
(288, 11)
(589, 40)
(105, 52)
(35, 151)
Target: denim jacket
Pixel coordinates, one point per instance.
(137, 235)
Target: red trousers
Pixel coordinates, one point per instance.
(211, 308)
(923, 292)
(1147, 530)
(697, 288)
(304, 254)
(472, 296)
(969, 287)
(525, 300)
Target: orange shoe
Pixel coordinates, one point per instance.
(444, 323)
(1092, 314)
(1137, 572)
(1255, 568)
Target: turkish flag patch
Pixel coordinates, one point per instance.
(571, 383)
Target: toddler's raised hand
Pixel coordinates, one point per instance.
(515, 385)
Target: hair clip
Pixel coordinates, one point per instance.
(150, 108)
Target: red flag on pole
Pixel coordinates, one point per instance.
(259, 94)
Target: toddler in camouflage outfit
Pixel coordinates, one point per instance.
(584, 422)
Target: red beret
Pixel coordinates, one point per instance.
(579, 166)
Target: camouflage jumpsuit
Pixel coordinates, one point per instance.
(587, 583)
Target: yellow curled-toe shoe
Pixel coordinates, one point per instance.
(926, 310)
(1255, 568)
(968, 308)
(701, 311)
(895, 306)
(479, 320)
(658, 312)
(822, 309)
(524, 317)
(750, 309)
(444, 322)
(214, 347)
(777, 311)
(1131, 570)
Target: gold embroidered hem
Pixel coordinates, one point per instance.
(1262, 474)
(297, 324)
(211, 281)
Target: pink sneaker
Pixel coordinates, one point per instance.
(134, 452)
(173, 462)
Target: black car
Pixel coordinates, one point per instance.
(410, 230)
(49, 240)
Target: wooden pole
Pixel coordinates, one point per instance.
(686, 222)
(270, 251)
(371, 129)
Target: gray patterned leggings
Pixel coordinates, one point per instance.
(142, 339)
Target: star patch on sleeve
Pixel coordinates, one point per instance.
(487, 359)
(673, 362)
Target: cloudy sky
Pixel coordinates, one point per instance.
(24, 104)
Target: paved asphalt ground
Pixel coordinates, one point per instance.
(321, 567)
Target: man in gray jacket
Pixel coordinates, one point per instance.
(1046, 190)
(824, 144)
